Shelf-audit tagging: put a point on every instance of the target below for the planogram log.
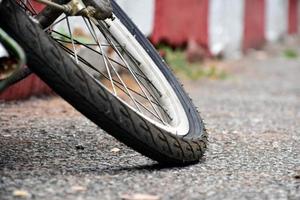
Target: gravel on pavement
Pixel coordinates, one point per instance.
(50, 151)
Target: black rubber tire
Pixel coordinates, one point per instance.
(77, 87)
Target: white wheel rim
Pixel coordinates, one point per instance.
(180, 123)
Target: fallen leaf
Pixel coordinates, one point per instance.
(115, 150)
(139, 197)
(78, 188)
(21, 193)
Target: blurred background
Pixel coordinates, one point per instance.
(239, 60)
(190, 33)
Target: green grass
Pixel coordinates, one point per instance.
(176, 59)
(290, 54)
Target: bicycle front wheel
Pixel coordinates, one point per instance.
(111, 73)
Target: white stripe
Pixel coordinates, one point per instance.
(226, 25)
(276, 19)
(141, 12)
(3, 52)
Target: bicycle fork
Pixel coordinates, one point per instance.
(11, 62)
(85, 8)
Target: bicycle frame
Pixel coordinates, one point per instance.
(70, 7)
(15, 52)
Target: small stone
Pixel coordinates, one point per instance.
(297, 177)
(79, 147)
(139, 197)
(115, 150)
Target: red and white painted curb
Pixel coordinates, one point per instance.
(226, 27)
(218, 26)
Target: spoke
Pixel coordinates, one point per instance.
(31, 10)
(110, 63)
(150, 82)
(71, 35)
(78, 42)
(92, 31)
(137, 81)
(70, 42)
(137, 63)
(35, 13)
(55, 23)
(141, 104)
(24, 6)
(124, 85)
(79, 57)
(116, 72)
(118, 84)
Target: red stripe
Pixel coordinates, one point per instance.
(177, 22)
(293, 16)
(25, 88)
(37, 6)
(29, 86)
(254, 31)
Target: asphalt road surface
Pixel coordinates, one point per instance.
(49, 151)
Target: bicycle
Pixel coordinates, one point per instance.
(109, 72)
